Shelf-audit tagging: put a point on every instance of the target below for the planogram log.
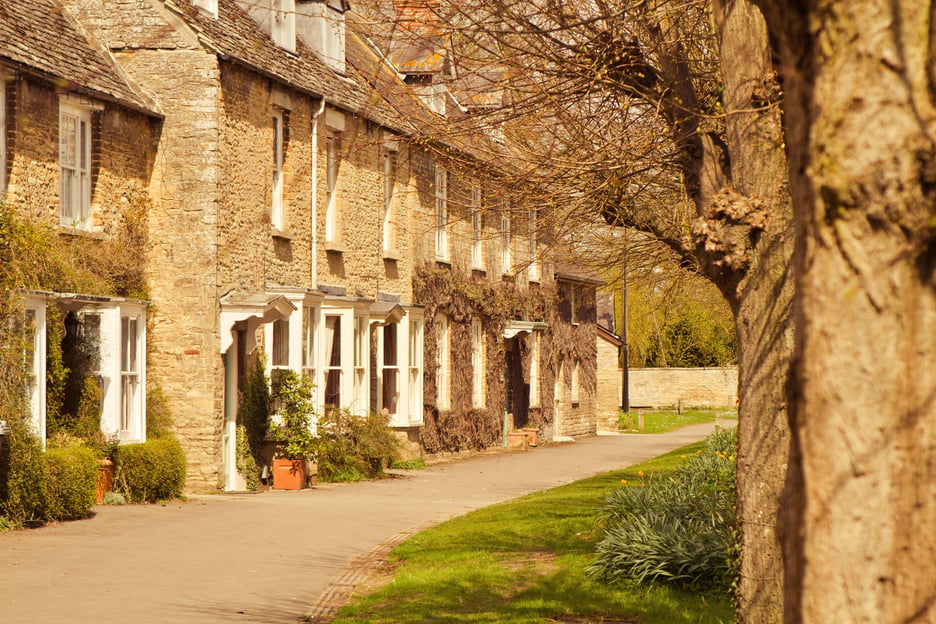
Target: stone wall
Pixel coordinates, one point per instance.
(665, 387)
(608, 387)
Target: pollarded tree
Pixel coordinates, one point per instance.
(662, 116)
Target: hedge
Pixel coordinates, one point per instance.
(72, 482)
(152, 471)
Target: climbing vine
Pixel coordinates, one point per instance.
(462, 298)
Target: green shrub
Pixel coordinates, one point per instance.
(24, 478)
(353, 448)
(72, 482)
(254, 414)
(114, 498)
(677, 528)
(159, 424)
(291, 425)
(151, 471)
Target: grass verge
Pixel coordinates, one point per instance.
(524, 562)
(667, 420)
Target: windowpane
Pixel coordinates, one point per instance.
(390, 345)
(333, 355)
(441, 213)
(280, 343)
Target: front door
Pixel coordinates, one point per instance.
(516, 390)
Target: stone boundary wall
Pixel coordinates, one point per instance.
(665, 387)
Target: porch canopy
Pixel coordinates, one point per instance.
(248, 311)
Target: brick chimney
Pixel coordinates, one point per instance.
(416, 13)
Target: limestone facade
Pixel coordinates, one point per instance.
(269, 175)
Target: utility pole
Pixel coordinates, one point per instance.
(625, 349)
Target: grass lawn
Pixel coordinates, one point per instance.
(667, 420)
(524, 561)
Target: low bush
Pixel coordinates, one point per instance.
(72, 484)
(23, 476)
(677, 528)
(353, 448)
(151, 471)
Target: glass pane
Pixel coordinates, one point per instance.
(390, 345)
(280, 343)
(333, 388)
(333, 339)
(390, 390)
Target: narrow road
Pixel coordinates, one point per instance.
(267, 557)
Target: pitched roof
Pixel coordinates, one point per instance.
(40, 37)
(235, 36)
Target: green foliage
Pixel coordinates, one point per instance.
(254, 413)
(353, 448)
(524, 561)
(675, 528)
(158, 415)
(667, 420)
(678, 321)
(24, 478)
(72, 482)
(56, 372)
(88, 416)
(246, 466)
(292, 421)
(409, 464)
(113, 498)
(152, 471)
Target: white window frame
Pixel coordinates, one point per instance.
(533, 268)
(440, 193)
(534, 369)
(309, 344)
(332, 168)
(36, 384)
(283, 26)
(389, 167)
(477, 224)
(443, 391)
(130, 365)
(361, 352)
(506, 255)
(389, 371)
(478, 364)
(415, 370)
(276, 207)
(74, 166)
(328, 366)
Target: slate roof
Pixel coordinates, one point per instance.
(234, 36)
(41, 38)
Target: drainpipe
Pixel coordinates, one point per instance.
(313, 270)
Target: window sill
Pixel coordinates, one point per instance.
(73, 231)
(280, 234)
(445, 262)
(391, 254)
(334, 247)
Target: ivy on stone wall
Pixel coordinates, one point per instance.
(463, 297)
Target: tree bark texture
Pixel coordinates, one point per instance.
(763, 312)
(859, 523)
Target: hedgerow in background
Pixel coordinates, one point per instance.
(72, 485)
(676, 528)
(152, 471)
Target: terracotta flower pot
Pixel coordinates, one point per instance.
(105, 478)
(532, 434)
(517, 440)
(289, 474)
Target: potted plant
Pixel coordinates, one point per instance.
(291, 429)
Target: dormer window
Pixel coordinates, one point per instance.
(283, 29)
(322, 26)
(430, 91)
(208, 6)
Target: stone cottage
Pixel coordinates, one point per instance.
(76, 158)
(297, 205)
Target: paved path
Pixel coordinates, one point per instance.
(268, 557)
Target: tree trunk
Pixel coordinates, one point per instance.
(859, 526)
(763, 311)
